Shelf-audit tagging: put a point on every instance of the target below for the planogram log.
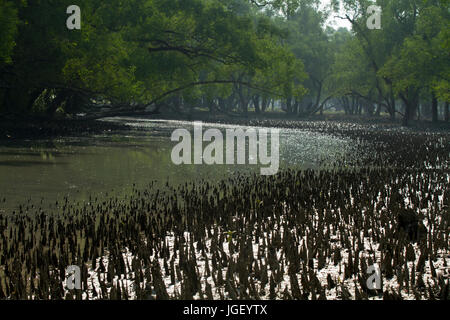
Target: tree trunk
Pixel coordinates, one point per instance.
(434, 107)
(414, 105)
(289, 105)
(392, 107)
(222, 105)
(410, 100)
(264, 104)
(353, 107)
(406, 116)
(319, 94)
(210, 105)
(256, 104)
(295, 108)
(446, 112)
(243, 102)
(405, 121)
(345, 104)
(230, 102)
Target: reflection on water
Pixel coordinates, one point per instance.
(47, 171)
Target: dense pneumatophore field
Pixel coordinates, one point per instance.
(297, 235)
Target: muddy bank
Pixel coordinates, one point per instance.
(297, 235)
(310, 234)
(11, 129)
(28, 128)
(282, 120)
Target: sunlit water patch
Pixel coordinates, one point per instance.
(43, 172)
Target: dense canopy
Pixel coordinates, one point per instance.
(226, 56)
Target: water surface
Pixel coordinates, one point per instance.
(45, 171)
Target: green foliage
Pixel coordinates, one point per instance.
(142, 52)
(423, 60)
(8, 30)
(136, 51)
(406, 59)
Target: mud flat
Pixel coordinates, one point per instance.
(301, 234)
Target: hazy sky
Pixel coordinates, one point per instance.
(333, 21)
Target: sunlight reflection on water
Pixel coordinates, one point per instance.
(112, 163)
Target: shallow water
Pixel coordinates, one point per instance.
(47, 171)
